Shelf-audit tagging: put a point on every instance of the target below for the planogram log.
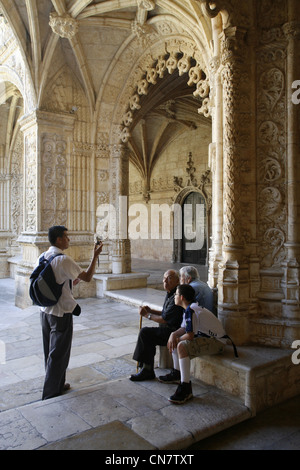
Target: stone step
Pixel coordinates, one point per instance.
(121, 414)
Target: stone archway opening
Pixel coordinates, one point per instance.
(11, 174)
(166, 128)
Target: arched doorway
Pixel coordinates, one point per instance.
(194, 233)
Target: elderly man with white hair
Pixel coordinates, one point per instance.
(203, 293)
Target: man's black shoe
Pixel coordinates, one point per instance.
(145, 374)
(172, 378)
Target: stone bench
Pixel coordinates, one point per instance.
(109, 282)
(261, 376)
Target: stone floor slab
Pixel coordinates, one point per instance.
(17, 433)
(107, 437)
(53, 420)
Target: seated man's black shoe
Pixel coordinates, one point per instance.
(145, 374)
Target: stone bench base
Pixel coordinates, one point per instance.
(108, 282)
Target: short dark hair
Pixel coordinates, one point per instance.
(186, 291)
(57, 231)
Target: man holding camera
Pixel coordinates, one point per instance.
(57, 320)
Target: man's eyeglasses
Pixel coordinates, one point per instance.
(168, 277)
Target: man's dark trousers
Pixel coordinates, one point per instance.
(148, 339)
(57, 341)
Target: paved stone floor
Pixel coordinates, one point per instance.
(103, 409)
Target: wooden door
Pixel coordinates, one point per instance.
(194, 224)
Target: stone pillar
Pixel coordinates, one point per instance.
(121, 256)
(5, 233)
(234, 269)
(291, 268)
(216, 159)
(47, 169)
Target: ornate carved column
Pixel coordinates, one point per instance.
(216, 158)
(48, 186)
(236, 72)
(234, 270)
(121, 257)
(47, 148)
(291, 267)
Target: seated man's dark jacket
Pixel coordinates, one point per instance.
(171, 313)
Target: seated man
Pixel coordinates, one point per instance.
(201, 333)
(203, 293)
(169, 320)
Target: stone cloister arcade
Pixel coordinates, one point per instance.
(146, 101)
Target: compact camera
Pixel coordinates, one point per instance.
(98, 240)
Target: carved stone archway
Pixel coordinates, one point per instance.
(181, 56)
(164, 54)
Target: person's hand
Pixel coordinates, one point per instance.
(77, 281)
(98, 248)
(172, 343)
(144, 311)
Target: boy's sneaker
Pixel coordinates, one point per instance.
(172, 378)
(182, 394)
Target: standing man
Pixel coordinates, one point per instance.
(169, 320)
(57, 321)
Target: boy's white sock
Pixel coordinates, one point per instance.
(175, 360)
(185, 369)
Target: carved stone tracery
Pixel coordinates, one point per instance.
(53, 164)
(178, 56)
(271, 146)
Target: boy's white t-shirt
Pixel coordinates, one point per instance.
(200, 320)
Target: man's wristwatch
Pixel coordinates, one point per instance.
(149, 316)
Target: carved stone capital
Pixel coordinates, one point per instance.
(233, 44)
(65, 26)
(291, 30)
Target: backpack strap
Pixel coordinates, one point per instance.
(52, 257)
(49, 261)
(233, 345)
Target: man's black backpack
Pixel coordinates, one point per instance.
(44, 290)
